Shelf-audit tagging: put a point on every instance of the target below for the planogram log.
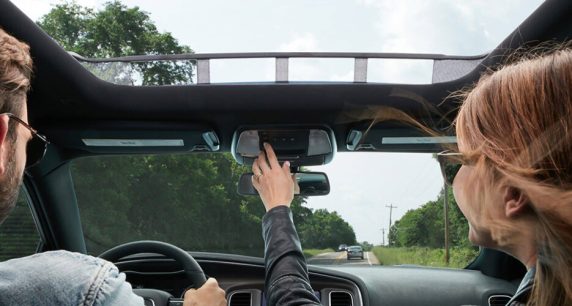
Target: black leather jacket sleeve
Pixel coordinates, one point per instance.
(287, 282)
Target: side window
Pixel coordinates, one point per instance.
(18, 234)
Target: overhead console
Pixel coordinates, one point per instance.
(300, 145)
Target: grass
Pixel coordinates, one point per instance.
(313, 252)
(458, 257)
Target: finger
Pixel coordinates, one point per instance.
(271, 156)
(286, 167)
(255, 183)
(296, 186)
(262, 163)
(211, 282)
(256, 168)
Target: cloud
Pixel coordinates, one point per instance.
(305, 42)
(34, 9)
(446, 26)
(344, 77)
(303, 69)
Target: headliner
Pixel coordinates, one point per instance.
(65, 94)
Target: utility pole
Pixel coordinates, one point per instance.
(383, 236)
(446, 209)
(391, 207)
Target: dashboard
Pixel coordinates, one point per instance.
(242, 278)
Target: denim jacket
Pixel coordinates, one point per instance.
(63, 278)
(524, 289)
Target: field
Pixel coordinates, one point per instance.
(459, 257)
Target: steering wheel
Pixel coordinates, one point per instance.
(153, 296)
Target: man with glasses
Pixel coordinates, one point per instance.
(58, 277)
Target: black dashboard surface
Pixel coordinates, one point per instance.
(409, 285)
(369, 285)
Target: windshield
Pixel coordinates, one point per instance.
(390, 204)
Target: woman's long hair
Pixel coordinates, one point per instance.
(516, 123)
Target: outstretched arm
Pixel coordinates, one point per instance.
(287, 281)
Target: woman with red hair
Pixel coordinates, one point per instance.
(511, 177)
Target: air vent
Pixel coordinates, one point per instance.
(499, 300)
(341, 298)
(240, 299)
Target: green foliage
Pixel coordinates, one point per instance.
(424, 226)
(367, 247)
(188, 200)
(323, 229)
(115, 31)
(419, 236)
(460, 257)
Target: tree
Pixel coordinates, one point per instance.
(325, 230)
(118, 31)
(424, 226)
(366, 246)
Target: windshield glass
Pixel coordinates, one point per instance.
(391, 204)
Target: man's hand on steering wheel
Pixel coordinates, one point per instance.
(210, 294)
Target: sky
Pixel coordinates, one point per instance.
(362, 184)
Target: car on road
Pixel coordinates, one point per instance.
(142, 148)
(355, 251)
(342, 247)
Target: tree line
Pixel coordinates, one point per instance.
(189, 200)
(425, 226)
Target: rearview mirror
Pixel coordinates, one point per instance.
(309, 183)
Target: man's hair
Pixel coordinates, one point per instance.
(15, 74)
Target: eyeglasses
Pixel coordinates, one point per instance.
(36, 147)
(450, 163)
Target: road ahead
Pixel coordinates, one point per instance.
(339, 258)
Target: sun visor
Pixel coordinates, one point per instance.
(135, 137)
(387, 137)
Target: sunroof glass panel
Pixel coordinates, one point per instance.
(172, 72)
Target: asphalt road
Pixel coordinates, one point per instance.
(339, 258)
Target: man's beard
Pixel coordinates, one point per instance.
(10, 185)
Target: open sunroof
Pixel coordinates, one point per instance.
(192, 69)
